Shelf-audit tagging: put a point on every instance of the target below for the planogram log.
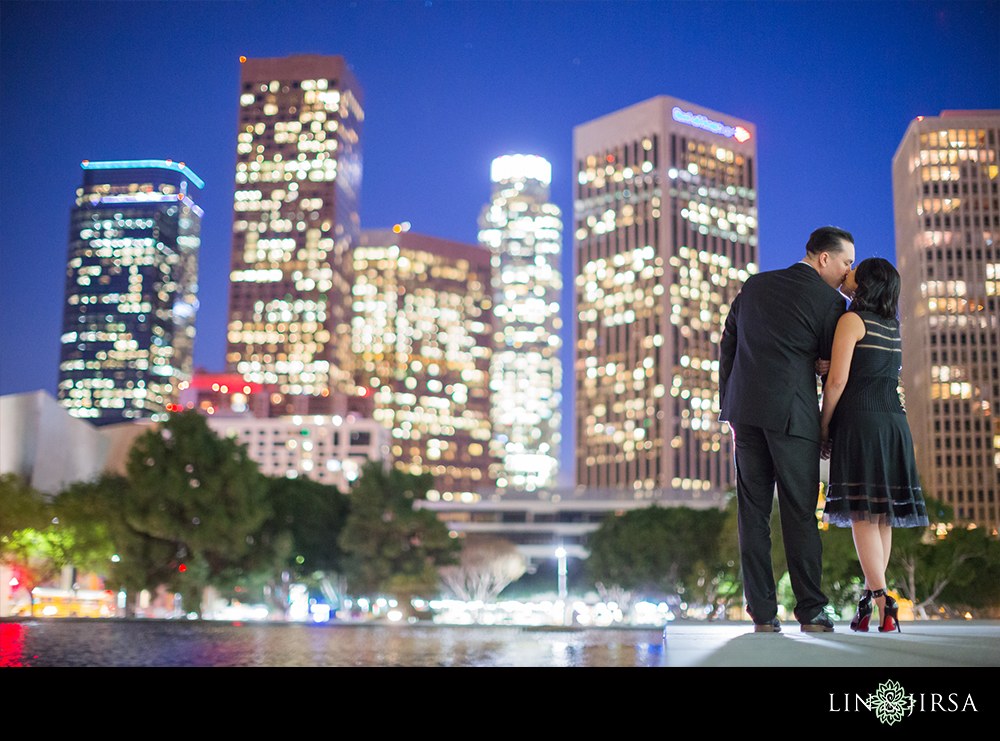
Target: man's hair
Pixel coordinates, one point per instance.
(878, 288)
(828, 239)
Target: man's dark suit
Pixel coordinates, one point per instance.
(781, 322)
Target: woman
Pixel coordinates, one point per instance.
(873, 475)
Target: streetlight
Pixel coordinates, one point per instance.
(561, 555)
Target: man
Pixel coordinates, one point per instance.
(780, 323)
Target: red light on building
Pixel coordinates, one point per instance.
(182, 568)
(611, 158)
(219, 381)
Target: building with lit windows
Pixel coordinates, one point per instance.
(665, 233)
(131, 290)
(422, 337)
(295, 226)
(523, 231)
(328, 449)
(945, 175)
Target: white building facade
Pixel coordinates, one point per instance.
(330, 450)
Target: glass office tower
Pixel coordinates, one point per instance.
(945, 175)
(524, 233)
(423, 338)
(131, 290)
(295, 226)
(665, 233)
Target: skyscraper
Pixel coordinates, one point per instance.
(524, 233)
(665, 233)
(948, 254)
(295, 224)
(131, 290)
(423, 338)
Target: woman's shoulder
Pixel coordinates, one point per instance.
(852, 325)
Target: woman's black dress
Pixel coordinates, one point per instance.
(873, 473)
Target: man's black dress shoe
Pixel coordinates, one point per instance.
(772, 627)
(819, 624)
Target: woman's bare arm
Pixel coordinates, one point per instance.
(850, 329)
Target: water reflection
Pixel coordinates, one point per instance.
(174, 643)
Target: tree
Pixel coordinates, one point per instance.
(982, 591)
(314, 514)
(730, 575)
(93, 512)
(928, 564)
(656, 548)
(391, 547)
(487, 564)
(31, 540)
(20, 507)
(195, 501)
(97, 515)
(299, 538)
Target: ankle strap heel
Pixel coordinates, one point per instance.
(890, 613)
(859, 623)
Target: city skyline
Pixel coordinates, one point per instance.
(449, 87)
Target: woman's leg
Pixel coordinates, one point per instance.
(885, 533)
(869, 543)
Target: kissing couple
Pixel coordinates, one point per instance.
(783, 329)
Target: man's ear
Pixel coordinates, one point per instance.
(824, 259)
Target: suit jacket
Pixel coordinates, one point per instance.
(780, 323)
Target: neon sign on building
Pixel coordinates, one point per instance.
(716, 127)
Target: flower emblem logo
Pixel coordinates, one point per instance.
(890, 702)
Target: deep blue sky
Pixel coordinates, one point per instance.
(831, 87)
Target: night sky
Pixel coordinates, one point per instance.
(448, 86)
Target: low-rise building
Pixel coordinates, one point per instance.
(327, 449)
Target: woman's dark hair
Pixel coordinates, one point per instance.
(878, 288)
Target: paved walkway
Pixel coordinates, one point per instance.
(932, 643)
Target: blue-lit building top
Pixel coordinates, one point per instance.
(131, 290)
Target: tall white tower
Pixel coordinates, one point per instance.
(524, 233)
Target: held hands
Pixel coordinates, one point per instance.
(826, 444)
(822, 367)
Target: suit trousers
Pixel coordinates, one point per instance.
(763, 458)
